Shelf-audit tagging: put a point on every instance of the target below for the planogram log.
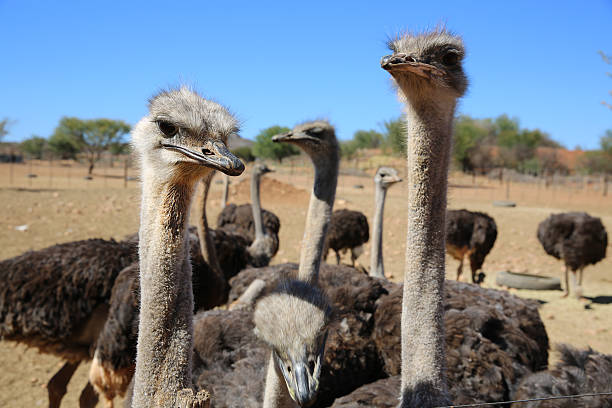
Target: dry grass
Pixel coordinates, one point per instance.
(66, 207)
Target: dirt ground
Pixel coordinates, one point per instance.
(59, 205)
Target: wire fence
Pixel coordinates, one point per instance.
(484, 404)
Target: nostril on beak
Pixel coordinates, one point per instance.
(385, 60)
(207, 152)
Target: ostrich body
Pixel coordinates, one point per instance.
(348, 230)
(178, 144)
(428, 72)
(56, 299)
(493, 339)
(470, 233)
(577, 372)
(385, 177)
(297, 354)
(577, 238)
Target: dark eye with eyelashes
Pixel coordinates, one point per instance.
(167, 128)
(450, 58)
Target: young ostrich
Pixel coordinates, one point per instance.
(577, 238)
(385, 177)
(473, 234)
(293, 320)
(348, 230)
(56, 299)
(178, 143)
(428, 72)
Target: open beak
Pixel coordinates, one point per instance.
(213, 154)
(401, 62)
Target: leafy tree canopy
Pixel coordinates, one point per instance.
(265, 148)
(34, 146)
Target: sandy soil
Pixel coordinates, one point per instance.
(59, 205)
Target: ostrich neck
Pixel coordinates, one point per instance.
(376, 257)
(423, 352)
(319, 214)
(225, 190)
(165, 332)
(207, 246)
(256, 207)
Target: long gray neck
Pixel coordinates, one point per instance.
(225, 190)
(423, 351)
(207, 246)
(319, 214)
(376, 257)
(256, 206)
(165, 331)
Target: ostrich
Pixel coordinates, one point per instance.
(577, 238)
(385, 177)
(56, 299)
(242, 219)
(428, 72)
(470, 233)
(178, 143)
(348, 230)
(226, 183)
(577, 372)
(299, 307)
(265, 244)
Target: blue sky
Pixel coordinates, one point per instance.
(283, 63)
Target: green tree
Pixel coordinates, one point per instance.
(34, 146)
(366, 139)
(348, 148)
(245, 153)
(265, 148)
(91, 137)
(4, 125)
(395, 135)
(608, 60)
(469, 139)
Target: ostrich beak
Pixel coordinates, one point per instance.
(401, 62)
(213, 154)
(304, 395)
(293, 137)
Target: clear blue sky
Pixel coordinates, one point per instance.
(286, 62)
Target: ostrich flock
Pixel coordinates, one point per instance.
(190, 316)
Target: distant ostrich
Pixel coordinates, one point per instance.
(428, 72)
(385, 177)
(226, 183)
(348, 230)
(473, 234)
(56, 299)
(293, 320)
(577, 372)
(577, 238)
(240, 220)
(179, 142)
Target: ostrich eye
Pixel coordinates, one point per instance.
(167, 128)
(450, 58)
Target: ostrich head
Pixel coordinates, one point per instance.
(386, 177)
(316, 138)
(427, 65)
(260, 169)
(184, 136)
(297, 341)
